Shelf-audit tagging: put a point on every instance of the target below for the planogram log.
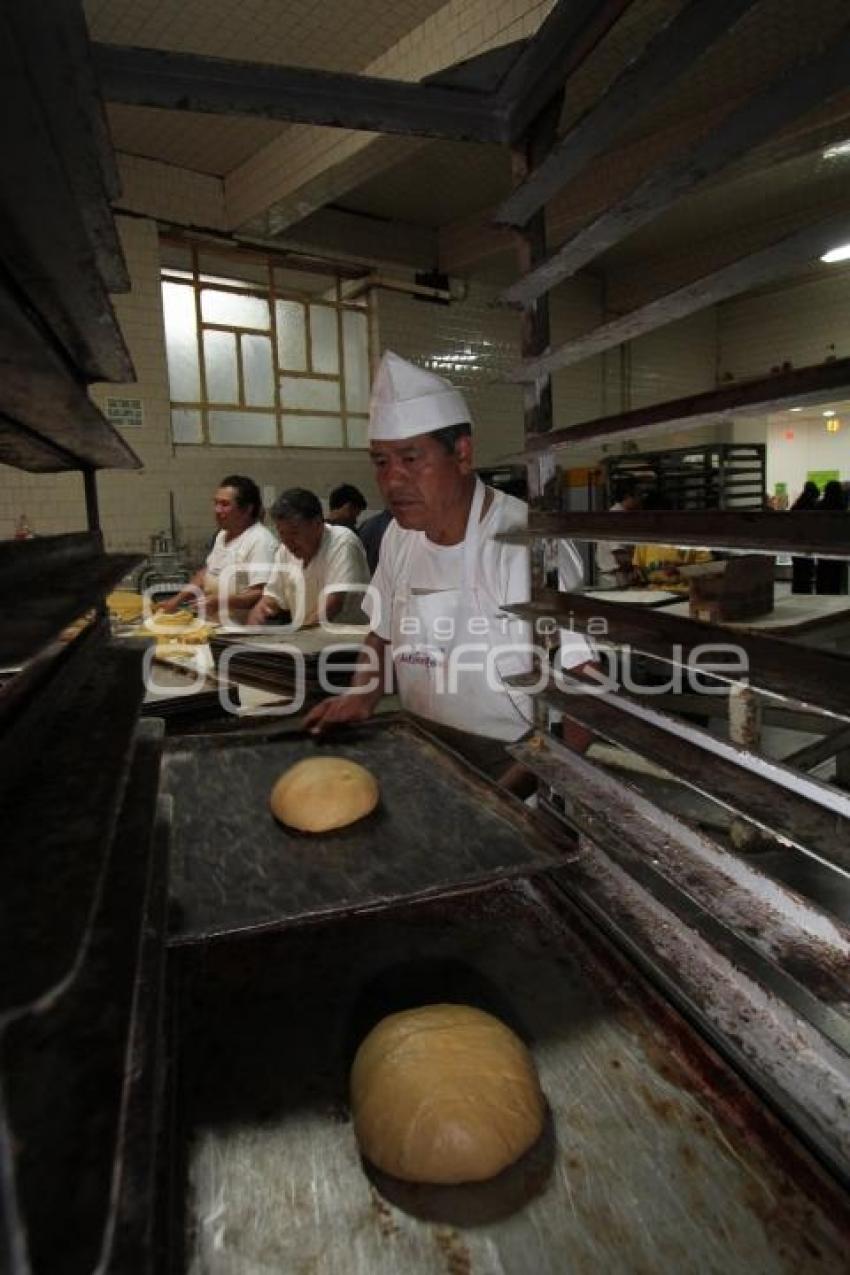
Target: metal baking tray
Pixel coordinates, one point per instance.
(440, 825)
(659, 1157)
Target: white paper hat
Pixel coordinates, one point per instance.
(406, 400)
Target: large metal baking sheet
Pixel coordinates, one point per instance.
(663, 1159)
(440, 825)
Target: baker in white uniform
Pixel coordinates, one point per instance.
(319, 571)
(442, 578)
(240, 561)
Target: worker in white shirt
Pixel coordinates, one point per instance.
(319, 571)
(612, 559)
(442, 579)
(232, 579)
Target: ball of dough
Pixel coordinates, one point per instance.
(321, 793)
(445, 1094)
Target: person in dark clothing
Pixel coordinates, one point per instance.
(803, 569)
(345, 505)
(371, 533)
(831, 573)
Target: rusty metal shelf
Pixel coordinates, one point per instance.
(796, 674)
(818, 532)
(51, 581)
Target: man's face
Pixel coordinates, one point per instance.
(228, 515)
(300, 536)
(420, 481)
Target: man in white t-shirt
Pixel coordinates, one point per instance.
(442, 578)
(319, 570)
(240, 561)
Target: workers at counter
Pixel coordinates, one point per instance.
(442, 579)
(319, 570)
(614, 561)
(238, 566)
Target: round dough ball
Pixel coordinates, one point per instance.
(445, 1094)
(321, 793)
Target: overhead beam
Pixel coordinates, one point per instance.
(821, 750)
(773, 262)
(219, 86)
(566, 38)
(824, 532)
(799, 387)
(643, 85)
(789, 96)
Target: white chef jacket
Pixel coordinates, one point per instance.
(339, 563)
(606, 563)
(410, 562)
(243, 561)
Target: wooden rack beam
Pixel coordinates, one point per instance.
(798, 675)
(790, 95)
(799, 248)
(221, 86)
(824, 533)
(798, 387)
(651, 74)
(765, 796)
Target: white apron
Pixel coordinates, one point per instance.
(448, 672)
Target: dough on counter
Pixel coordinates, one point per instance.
(322, 793)
(445, 1094)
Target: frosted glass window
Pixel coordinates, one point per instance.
(257, 374)
(244, 429)
(220, 364)
(186, 425)
(355, 338)
(291, 319)
(312, 431)
(309, 394)
(181, 342)
(234, 310)
(357, 429)
(324, 339)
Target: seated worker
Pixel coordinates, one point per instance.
(313, 557)
(345, 505)
(442, 580)
(656, 565)
(612, 559)
(240, 561)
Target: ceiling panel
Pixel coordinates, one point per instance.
(441, 182)
(332, 35)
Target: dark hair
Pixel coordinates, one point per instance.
(625, 488)
(654, 499)
(833, 496)
(247, 493)
(808, 497)
(297, 502)
(346, 494)
(449, 434)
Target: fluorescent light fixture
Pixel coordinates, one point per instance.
(795, 409)
(829, 412)
(841, 253)
(838, 151)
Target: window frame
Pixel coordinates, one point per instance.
(199, 279)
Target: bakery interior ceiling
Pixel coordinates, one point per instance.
(687, 132)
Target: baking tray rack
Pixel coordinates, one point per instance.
(440, 825)
(659, 1158)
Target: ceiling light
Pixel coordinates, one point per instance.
(838, 151)
(829, 412)
(795, 409)
(841, 253)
